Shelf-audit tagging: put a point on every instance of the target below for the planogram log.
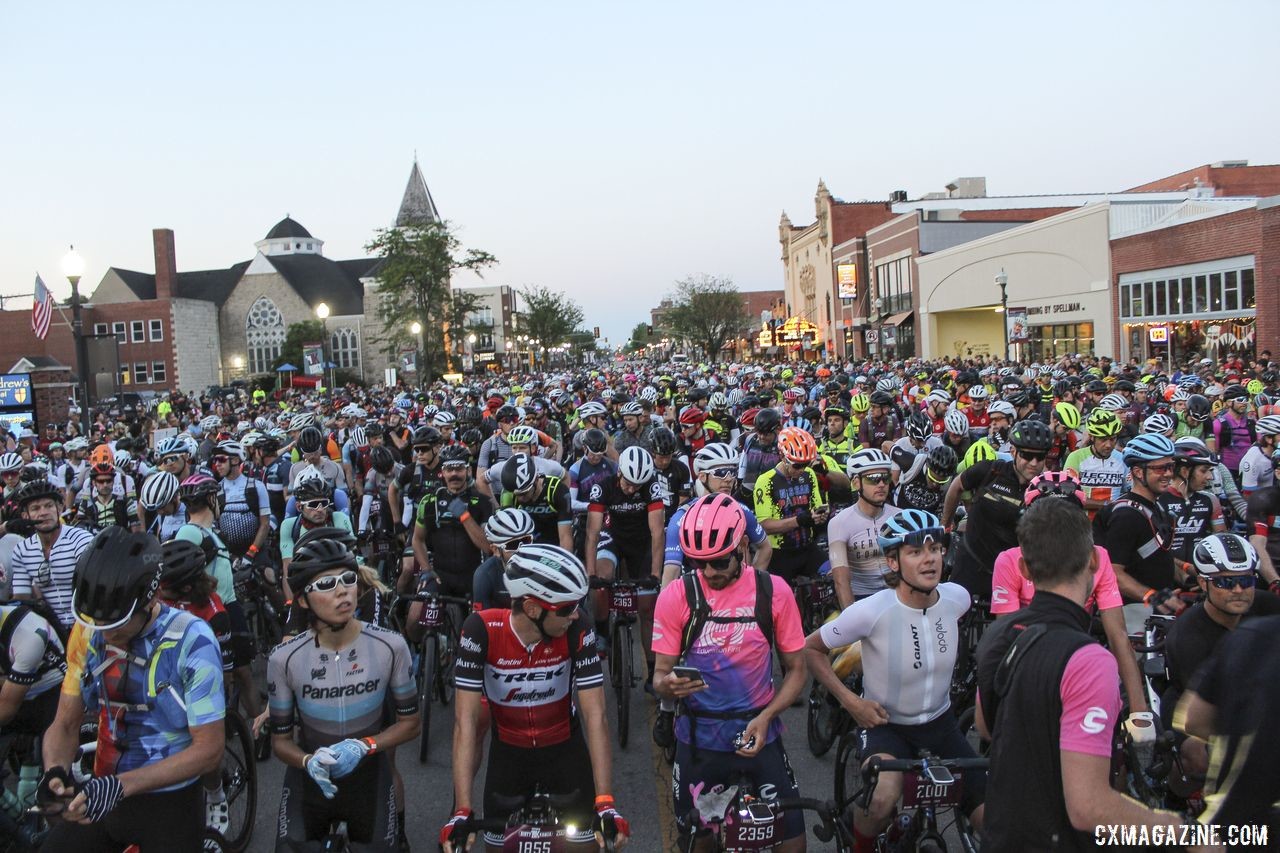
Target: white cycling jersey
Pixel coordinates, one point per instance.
(907, 654)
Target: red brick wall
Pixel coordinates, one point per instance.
(1227, 181)
(18, 341)
(1266, 280)
(854, 219)
(148, 351)
(1224, 236)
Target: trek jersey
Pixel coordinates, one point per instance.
(778, 497)
(452, 551)
(907, 654)
(626, 516)
(33, 655)
(147, 698)
(529, 688)
(674, 554)
(995, 510)
(1103, 480)
(733, 657)
(339, 694)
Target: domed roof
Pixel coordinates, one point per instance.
(287, 227)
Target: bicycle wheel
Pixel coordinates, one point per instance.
(621, 642)
(239, 781)
(848, 770)
(820, 725)
(970, 732)
(428, 664)
(447, 643)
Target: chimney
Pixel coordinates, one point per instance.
(166, 262)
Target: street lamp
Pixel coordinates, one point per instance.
(322, 311)
(1002, 281)
(73, 268)
(509, 347)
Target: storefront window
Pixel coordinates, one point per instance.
(1052, 342)
(1215, 292)
(1246, 289)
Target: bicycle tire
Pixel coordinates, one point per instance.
(621, 640)
(445, 656)
(820, 721)
(239, 781)
(428, 663)
(214, 842)
(846, 755)
(969, 729)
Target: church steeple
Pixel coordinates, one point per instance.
(417, 205)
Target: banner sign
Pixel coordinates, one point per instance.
(1158, 334)
(15, 389)
(847, 280)
(408, 361)
(1019, 331)
(313, 359)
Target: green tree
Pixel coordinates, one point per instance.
(549, 316)
(305, 332)
(706, 311)
(639, 338)
(415, 273)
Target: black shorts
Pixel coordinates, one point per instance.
(563, 770)
(241, 638)
(366, 800)
(34, 715)
(971, 574)
(940, 736)
(790, 563)
(161, 820)
(706, 769)
(633, 559)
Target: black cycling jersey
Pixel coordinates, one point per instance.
(921, 494)
(1137, 535)
(452, 551)
(417, 481)
(626, 516)
(1192, 520)
(677, 486)
(994, 511)
(552, 508)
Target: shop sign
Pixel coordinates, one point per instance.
(847, 280)
(1158, 334)
(1019, 331)
(873, 336)
(15, 389)
(1059, 308)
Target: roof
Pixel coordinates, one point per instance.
(209, 285)
(35, 362)
(287, 227)
(317, 279)
(417, 206)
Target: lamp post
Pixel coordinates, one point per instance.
(1002, 281)
(73, 268)
(322, 311)
(509, 347)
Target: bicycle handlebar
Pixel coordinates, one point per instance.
(877, 766)
(643, 583)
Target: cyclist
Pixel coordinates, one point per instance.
(1263, 520)
(1255, 467)
(906, 683)
(907, 452)
(506, 530)
(997, 487)
(448, 537)
(925, 486)
(1196, 420)
(671, 467)
(1097, 466)
(789, 504)
(43, 564)
(853, 535)
(245, 520)
(552, 735)
(153, 677)
(545, 498)
(976, 411)
(414, 482)
(33, 662)
(526, 441)
(956, 432)
(881, 427)
(722, 620)
(310, 446)
(375, 508)
(339, 679)
(759, 449)
(1233, 430)
(274, 469)
(315, 509)
(835, 441)
(636, 428)
(1196, 512)
(1064, 421)
(105, 506)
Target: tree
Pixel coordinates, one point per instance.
(305, 332)
(549, 315)
(639, 338)
(415, 273)
(706, 311)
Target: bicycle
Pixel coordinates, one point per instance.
(623, 610)
(384, 554)
(826, 722)
(533, 824)
(931, 786)
(254, 591)
(964, 678)
(436, 653)
(816, 597)
(742, 821)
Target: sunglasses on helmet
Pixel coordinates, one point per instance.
(330, 582)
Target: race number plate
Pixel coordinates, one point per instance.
(532, 839)
(624, 600)
(918, 790)
(745, 835)
(431, 614)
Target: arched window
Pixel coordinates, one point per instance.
(264, 335)
(345, 346)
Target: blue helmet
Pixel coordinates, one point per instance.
(1147, 447)
(911, 527)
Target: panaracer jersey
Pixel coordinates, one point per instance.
(148, 698)
(529, 688)
(339, 694)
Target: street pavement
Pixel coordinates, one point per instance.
(641, 779)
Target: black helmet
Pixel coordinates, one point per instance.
(1234, 391)
(519, 473)
(881, 398)
(427, 435)
(942, 459)
(664, 442)
(1034, 395)
(1124, 385)
(472, 436)
(506, 413)
(1199, 407)
(1031, 434)
(268, 446)
(1063, 388)
(337, 534)
(833, 387)
(310, 440)
(455, 453)
(596, 440)
(116, 573)
(1018, 399)
(919, 426)
(382, 459)
(37, 490)
(767, 420)
(375, 429)
(184, 562)
(316, 555)
(1096, 386)
(812, 414)
(313, 488)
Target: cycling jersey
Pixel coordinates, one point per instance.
(672, 552)
(1256, 470)
(275, 477)
(1194, 517)
(452, 551)
(549, 510)
(583, 475)
(1234, 435)
(676, 483)
(979, 421)
(873, 433)
(626, 516)
(220, 566)
(1102, 479)
(339, 694)
(756, 458)
(994, 511)
(31, 654)
(1138, 534)
(1264, 519)
(296, 527)
(529, 688)
(907, 654)
(415, 482)
(777, 496)
(854, 538)
(244, 503)
(1011, 590)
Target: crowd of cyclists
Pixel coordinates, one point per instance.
(281, 558)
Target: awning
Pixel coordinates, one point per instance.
(895, 319)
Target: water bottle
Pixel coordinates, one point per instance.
(28, 781)
(898, 830)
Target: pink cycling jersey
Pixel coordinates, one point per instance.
(1090, 702)
(1011, 590)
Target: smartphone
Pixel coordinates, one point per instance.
(690, 672)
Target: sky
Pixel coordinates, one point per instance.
(602, 149)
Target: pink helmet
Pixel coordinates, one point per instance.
(1060, 484)
(712, 527)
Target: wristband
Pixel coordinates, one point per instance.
(371, 743)
(465, 517)
(253, 550)
(604, 801)
(1146, 599)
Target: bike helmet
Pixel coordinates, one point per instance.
(881, 398)
(358, 437)
(199, 487)
(159, 490)
(1233, 392)
(664, 442)
(522, 435)
(472, 436)
(632, 408)
(1193, 451)
(519, 473)
(797, 446)
(1068, 415)
(547, 573)
(1096, 386)
(1147, 447)
(1114, 403)
(910, 527)
(919, 426)
(101, 469)
(1031, 435)
(310, 440)
(1268, 425)
(834, 411)
(507, 524)
(1158, 423)
(978, 393)
(444, 419)
(382, 459)
(979, 451)
(767, 420)
(36, 490)
(865, 460)
(183, 563)
(938, 395)
(116, 573)
(943, 461)
(1224, 552)
(712, 527)
(100, 454)
(636, 465)
(10, 462)
(315, 555)
(1103, 424)
(649, 393)
(595, 440)
(1254, 387)
(717, 401)
(692, 416)
(859, 403)
(1059, 484)
(714, 455)
(591, 409)
(301, 421)
(455, 454)
(210, 423)
(230, 448)
(427, 436)
(956, 423)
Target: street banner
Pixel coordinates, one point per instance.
(1019, 330)
(313, 359)
(847, 280)
(408, 360)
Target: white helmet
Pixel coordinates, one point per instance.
(1001, 407)
(977, 392)
(158, 490)
(938, 395)
(507, 524)
(1269, 425)
(714, 455)
(867, 459)
(1160, 423)
(649, 393)
(1114, 403)
(1224, 552)
(636, 465)
(548, 573)
(302, 421)
(591, 409)
(631, 407)
(231, 448)
(357, 437)
(209, 423)
(77, 443)
(718, 401)
(956, 423)
(10, 462)
(444, 419)
(122, 458)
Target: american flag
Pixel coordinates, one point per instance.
(41, 310)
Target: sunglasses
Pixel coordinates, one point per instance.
(456, 467)
(1032, 457)
(330, 583)
(513, 544)
(318, 503)
(801, 464)
(721, 564)
(169, 460)
(562, 610)
(723, 473)
(877, 479)
(1241, 582)
(44, 574)
(920, 538)
(218, 460)
(424, 448)
(1162, 468)
(104, 481)
(11, 474)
